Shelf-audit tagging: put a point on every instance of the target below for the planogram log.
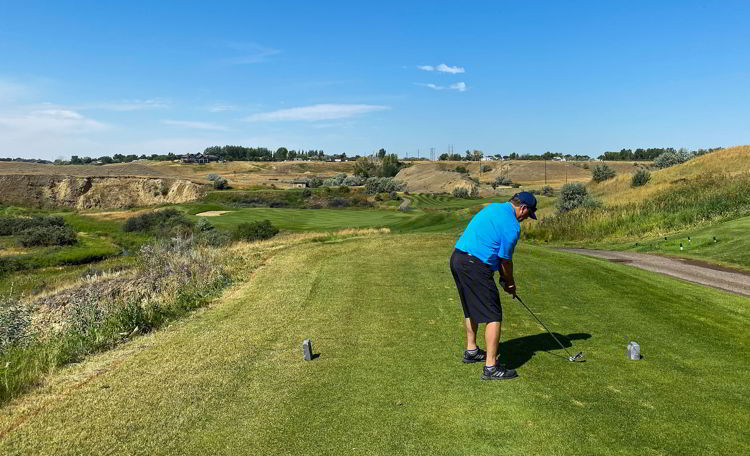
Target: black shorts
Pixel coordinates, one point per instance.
(475, 281)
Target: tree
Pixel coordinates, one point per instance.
(477, 155)
(444, 157)
(390, 166)
(281, 154)
(365, 167)
(381, 154)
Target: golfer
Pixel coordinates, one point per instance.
(487, 246)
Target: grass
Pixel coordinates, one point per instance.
(731, 248)
(389, 378)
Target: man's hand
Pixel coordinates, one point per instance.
(510, 289)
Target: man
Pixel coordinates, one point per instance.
(487, 246)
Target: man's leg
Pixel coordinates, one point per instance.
(471, 333)
(492, 338)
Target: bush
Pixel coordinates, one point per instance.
(352, 181)
(466, 193)
(16, 225)
(255, 231)
(48, 235)
(340, 202)
(486, 168)
(330, 182)
(602, 172)
(15, 321)
(213, 238)
(375, 185)
(461, 169)
(501, 181)
(573, 196)
(221, 184)
(670, 158)
(212, 177)
(394, 196)
(306, 193)
(640, 178)
(204, 225)
(344, 189)
(585, 166)
(548, 191)
(167, 222)
(314, 182)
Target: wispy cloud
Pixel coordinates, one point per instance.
(128, 105)
(250, 53)
(317, 112)
(221, 108)
(11, 91)
(443, 68)
(459, 86)
(53, 120)
(195, 125)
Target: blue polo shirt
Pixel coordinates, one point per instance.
(492, 234)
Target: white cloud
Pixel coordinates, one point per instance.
(129, 105)
(221, 108)
(459, 86)
(195, 125)
(317, 112)
(53, 120)
(443, 68)
(10, 91)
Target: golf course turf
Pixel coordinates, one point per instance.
(383, 314)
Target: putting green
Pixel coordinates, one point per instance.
(384, 315)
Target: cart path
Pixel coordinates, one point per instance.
(726, 279)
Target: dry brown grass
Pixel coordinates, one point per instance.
(617, 191)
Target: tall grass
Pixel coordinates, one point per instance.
(709, 197)
(170, 278)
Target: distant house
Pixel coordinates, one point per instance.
(198, 158)
(299, 183)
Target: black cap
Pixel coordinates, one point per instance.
(529, 200)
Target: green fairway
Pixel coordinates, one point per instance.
(383, 314)
(336, 219)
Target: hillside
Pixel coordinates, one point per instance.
(731, 161)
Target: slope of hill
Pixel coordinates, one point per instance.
(731, 162)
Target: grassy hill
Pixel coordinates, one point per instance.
(389, 380)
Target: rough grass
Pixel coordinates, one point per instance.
(389, 378)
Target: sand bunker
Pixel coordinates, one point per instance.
(212, 213)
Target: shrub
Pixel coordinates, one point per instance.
(501, 181)
(365, 167)
(375, 185)
(330, 182)
(394, 196)
(344, 189)
(640, 178)
(340, 202)
(221, 184)
(167, 222)
(671, 158)
(547, 190)
(486, 168)
(48, 235)
(306, 193)
(255, 231)
(204, 225)
(15, 321)
(602, 172)
(164, 188)
(212, 177)
(466, 193)
(461, 169)
(16, 225)
(213, 238)
(573, 196)
(585, 166)
(314, 182)
(353, 181)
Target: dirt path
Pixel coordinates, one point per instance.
(734, 281)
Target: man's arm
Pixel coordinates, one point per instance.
(506, 268)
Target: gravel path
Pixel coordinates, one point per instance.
(731, 280)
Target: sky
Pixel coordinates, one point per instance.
(93, 78)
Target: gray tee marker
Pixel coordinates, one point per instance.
(307, 350)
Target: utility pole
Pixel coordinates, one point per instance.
(545, 171)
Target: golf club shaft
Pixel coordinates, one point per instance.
(545, 326)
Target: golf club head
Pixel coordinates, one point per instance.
(577, 358)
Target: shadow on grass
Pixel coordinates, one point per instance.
(514, 353)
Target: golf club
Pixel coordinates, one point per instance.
(578, 356)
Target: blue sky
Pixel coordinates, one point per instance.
(104, 77)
